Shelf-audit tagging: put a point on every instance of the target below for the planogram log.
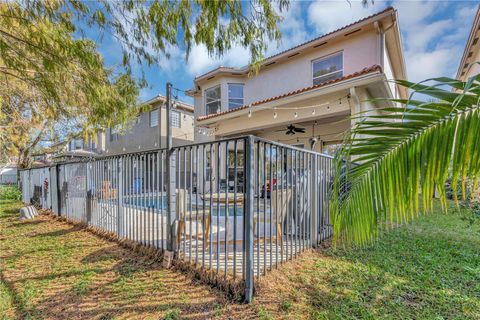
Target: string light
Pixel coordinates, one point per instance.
(313, 107)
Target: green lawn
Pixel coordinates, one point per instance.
(429, 269)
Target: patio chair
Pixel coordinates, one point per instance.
(106, 190)
(184, 215)
(279, 209)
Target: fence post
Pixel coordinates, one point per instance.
(314, 205)
(249, 185)
(120, 226)
(59, 194)
(171, 200)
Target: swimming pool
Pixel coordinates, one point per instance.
(161, 203)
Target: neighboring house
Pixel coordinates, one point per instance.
(8, 174)
(81, 144)
(144, 133)
(316, 86)
(468, 66)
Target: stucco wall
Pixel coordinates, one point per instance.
(359, 51)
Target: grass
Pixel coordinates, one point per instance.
(429, 269)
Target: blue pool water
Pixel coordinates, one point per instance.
(162, 204)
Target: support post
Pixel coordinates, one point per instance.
(249, 186)
(315, 194)
(170, 177)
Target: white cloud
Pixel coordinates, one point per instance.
(293, 32)
(421, 38)
(292, 27)
(329, 15)
(433, 45)
(171, 63)
(423, 65)
(200, 61)
(413, 13)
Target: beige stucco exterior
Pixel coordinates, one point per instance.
(323, 111)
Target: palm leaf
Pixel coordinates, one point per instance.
(393, 161)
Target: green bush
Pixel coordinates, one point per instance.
(10, 193)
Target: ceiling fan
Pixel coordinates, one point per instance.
(291, 129)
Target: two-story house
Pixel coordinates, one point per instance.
(468, 65)
(143, 134)
(306, 95)
(149, 130)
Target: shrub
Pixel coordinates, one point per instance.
(10, 193)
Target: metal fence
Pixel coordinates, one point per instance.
(232, 209)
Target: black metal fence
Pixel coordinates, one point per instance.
(233, 209)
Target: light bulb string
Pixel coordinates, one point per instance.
(260, 108)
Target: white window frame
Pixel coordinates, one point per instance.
(243, 94)
(325, 58)
(219, 99)
(172, 115)
(150, 117)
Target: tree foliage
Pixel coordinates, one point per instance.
(54, 84)
(48, 77)
(147, 29)
(402, 155)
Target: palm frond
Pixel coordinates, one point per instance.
(394, 159)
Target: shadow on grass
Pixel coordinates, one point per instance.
(59, 233)
(99, 280)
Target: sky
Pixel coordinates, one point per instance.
(434, 34)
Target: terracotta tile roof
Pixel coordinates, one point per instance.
(291, 93)
(246, 68)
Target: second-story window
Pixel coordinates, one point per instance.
(329, 68)
(113, 135)
(176, 120)
(212, 100)
(235, 95)
(154, 118)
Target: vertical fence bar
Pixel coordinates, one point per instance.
(315, 197)
(249, 185)
(120, 214)
(227, 160)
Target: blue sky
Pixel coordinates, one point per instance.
(434, 34)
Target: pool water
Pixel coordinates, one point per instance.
(162, 205)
